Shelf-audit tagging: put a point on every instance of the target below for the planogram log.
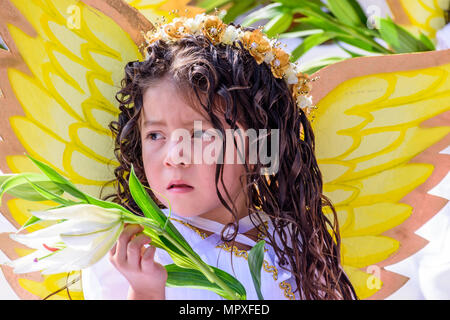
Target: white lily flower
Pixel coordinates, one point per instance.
(443, 38)
(87, 233)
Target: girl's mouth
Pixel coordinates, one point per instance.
(180, 188)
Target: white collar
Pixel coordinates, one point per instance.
(245, 225)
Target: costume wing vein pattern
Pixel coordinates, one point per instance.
(74, 60)
(378, 139)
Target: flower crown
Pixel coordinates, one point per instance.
(258, 45)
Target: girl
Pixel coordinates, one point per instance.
(196, 70)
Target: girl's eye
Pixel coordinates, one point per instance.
(152, 135)
(202, 134)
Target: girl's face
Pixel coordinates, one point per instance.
(164, 113)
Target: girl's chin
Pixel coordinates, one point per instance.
(184, 210)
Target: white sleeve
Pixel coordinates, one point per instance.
(103, 281)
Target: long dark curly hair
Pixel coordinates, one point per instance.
(305, 241)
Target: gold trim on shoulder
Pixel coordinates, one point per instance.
(286, 287)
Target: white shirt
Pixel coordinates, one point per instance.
(103, 281)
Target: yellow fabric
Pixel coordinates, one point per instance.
(367, 130)
(68, 102)
(426, 16)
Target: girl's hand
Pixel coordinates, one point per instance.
(147, 278)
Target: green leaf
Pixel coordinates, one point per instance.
(320, 23)
(398, 38)
(354, 36)
(337, 27)
(255, 262)
(181, 277)
(50, 195)
(70, 188)
(152, 211)
(143, 200)
(427, 42)
(268, 12)
(239, 8)
(295, 3)
(311, 9)
(278, 24)
(18, 186)
(4, 177)
(358, 43)
(62, 182)
(315, 65)
(32, 220)
(210, 5)
(3, 45)
(351, 53)
(300, 34)
(348, 12)
(310, 42)
(178, 257)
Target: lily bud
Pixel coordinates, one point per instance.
(85, 235)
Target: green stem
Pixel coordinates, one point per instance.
(350, 30)
(203, 267)
(366, 39)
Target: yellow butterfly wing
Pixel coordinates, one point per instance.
(426, 16)
(380, 125)
(154, 10)
(59, 76)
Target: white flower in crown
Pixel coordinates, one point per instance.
(231, 34)
(87, 233)
(268, 57)
(195, 23)
(163, 35)
(304, 101)
(290, 74)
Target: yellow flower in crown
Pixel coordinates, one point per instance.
(255, 42)
(213, 28)
(303, 86)
(176, 30)
(280, 62)
(152, 36)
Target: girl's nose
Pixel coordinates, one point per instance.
(178, 153)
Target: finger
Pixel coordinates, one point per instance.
(122, 244)
(134, 249)
(148, 258)
(113, 250)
